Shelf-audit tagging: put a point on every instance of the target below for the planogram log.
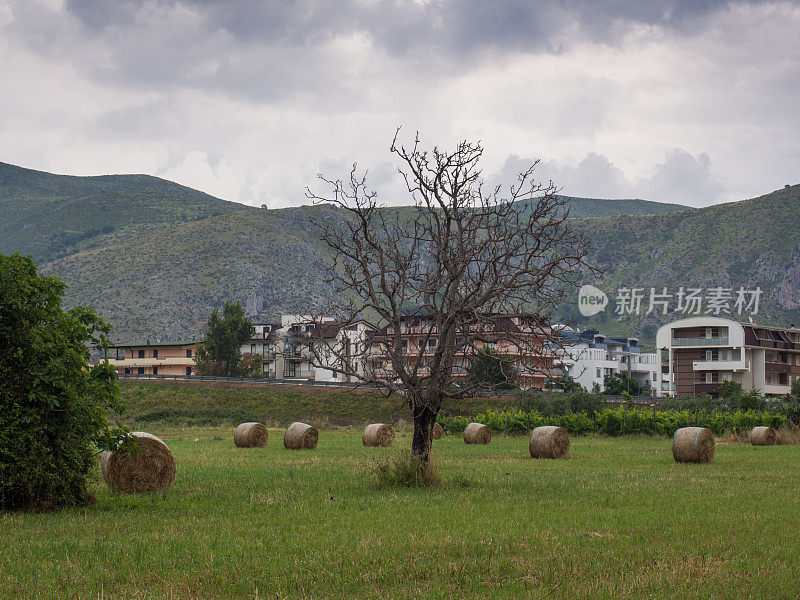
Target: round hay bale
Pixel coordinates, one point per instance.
(378, 434)
(477, 433)
(693, 444)
(300, 436)
(438, 432)
(150, 468)
(251, 435)
(549, 442)
(763, 436)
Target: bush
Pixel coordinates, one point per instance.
(620, 421)
(52, 406)
(751, 400)
(404, 471)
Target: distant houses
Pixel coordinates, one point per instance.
(589, 357)
(693, 356)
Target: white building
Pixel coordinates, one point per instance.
(702, 352)
(284, 348)
(589, 357)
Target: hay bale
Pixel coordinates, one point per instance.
(251, 435)
(693, 444)
(763, 436)
(300, 436)
(477, 433)
(150, 468)
(378, 434)
(438, 432)
(549, 442)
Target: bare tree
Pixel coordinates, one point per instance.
(467, 267)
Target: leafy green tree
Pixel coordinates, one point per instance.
(618, 383)
(220, 352)
(731, 392)
(751, 400)
(53, 405)
(566, 384)
(796, 389)
(493, 369)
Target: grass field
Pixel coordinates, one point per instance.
(179, 404)
(619, 519)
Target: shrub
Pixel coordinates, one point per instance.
(751, 400)
(52, 406)
(405, 470)
(620, 421)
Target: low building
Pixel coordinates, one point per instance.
(154, 359)
(589, 357)
(700, 353)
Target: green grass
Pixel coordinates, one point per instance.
(172, 404)
(619, 519)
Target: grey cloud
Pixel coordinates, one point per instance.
(267, 50)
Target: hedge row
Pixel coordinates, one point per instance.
(618, 421)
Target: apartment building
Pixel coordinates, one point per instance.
(288, 353)
(517, 336)
(700, 353)
(153, 359)
(589, 357)
(265, 343)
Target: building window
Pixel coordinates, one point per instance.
(188, 369)
(189, 353)
(252, 348)
(290, 369)
(141, 353)
(155, 353)
(140, 370)
(599, 374)
(155, 370)
(127, 370)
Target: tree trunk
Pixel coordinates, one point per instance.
(424, 418)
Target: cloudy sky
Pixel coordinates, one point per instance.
(686, 101)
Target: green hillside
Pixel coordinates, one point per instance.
(49, 216)
(172, 253)
(752, 243)
(163, 285)
(582, 208)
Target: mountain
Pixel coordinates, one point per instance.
(584, 208)
(175, 253)
(749, 244)
(49, 216)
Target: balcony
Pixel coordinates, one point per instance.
(712, 341)
(152, 362)
(721, 365)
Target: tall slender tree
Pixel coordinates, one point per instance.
(220, 351)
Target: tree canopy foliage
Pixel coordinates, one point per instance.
(53, 405)
(220, 351)
(494, 370)
(620, 383)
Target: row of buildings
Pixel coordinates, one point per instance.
(693, 356)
